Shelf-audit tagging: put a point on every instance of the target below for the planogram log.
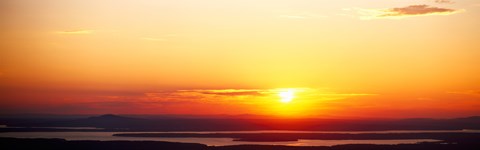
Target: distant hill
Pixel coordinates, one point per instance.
(103, 121)
(111, 121)
(116, 122)
(110, 118)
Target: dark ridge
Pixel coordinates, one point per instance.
(477, 118)
(111, 122)
(60, 144)
(108, 116)
(111, 117)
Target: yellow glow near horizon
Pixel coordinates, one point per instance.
(286, 96)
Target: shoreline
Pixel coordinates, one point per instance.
(280, 137)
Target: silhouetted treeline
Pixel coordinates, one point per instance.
(120, 123)
(60, 144)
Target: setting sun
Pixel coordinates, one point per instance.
(286, 96)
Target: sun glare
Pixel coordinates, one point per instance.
(286, 96)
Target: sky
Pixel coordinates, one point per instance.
(286, 58)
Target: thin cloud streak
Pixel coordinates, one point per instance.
(475, 93)
(444, 1)
(402, 12)
(75, 32)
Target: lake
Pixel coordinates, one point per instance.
(107, 136)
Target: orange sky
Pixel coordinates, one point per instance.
(343, 58)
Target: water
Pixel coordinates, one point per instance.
(107, 136)
(339, 132)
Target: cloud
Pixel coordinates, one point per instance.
(348, 94)
(443, 1)
(402, 12)
(230, 92)
(169, 101)
(417, 10)
(75, 32)
(244, 96)
(206, 95)
(475, 93)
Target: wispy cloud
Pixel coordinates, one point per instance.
(206, 96)
(183, 101)
(75, 32)
(230, 92)
(244, 95)
(443, 1)
(467, 92)
(413, 10)
(402, 12)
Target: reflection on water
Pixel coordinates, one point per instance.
(340, 132)
(342, 142)
(107, 136)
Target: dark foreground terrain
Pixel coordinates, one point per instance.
(60, 144)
